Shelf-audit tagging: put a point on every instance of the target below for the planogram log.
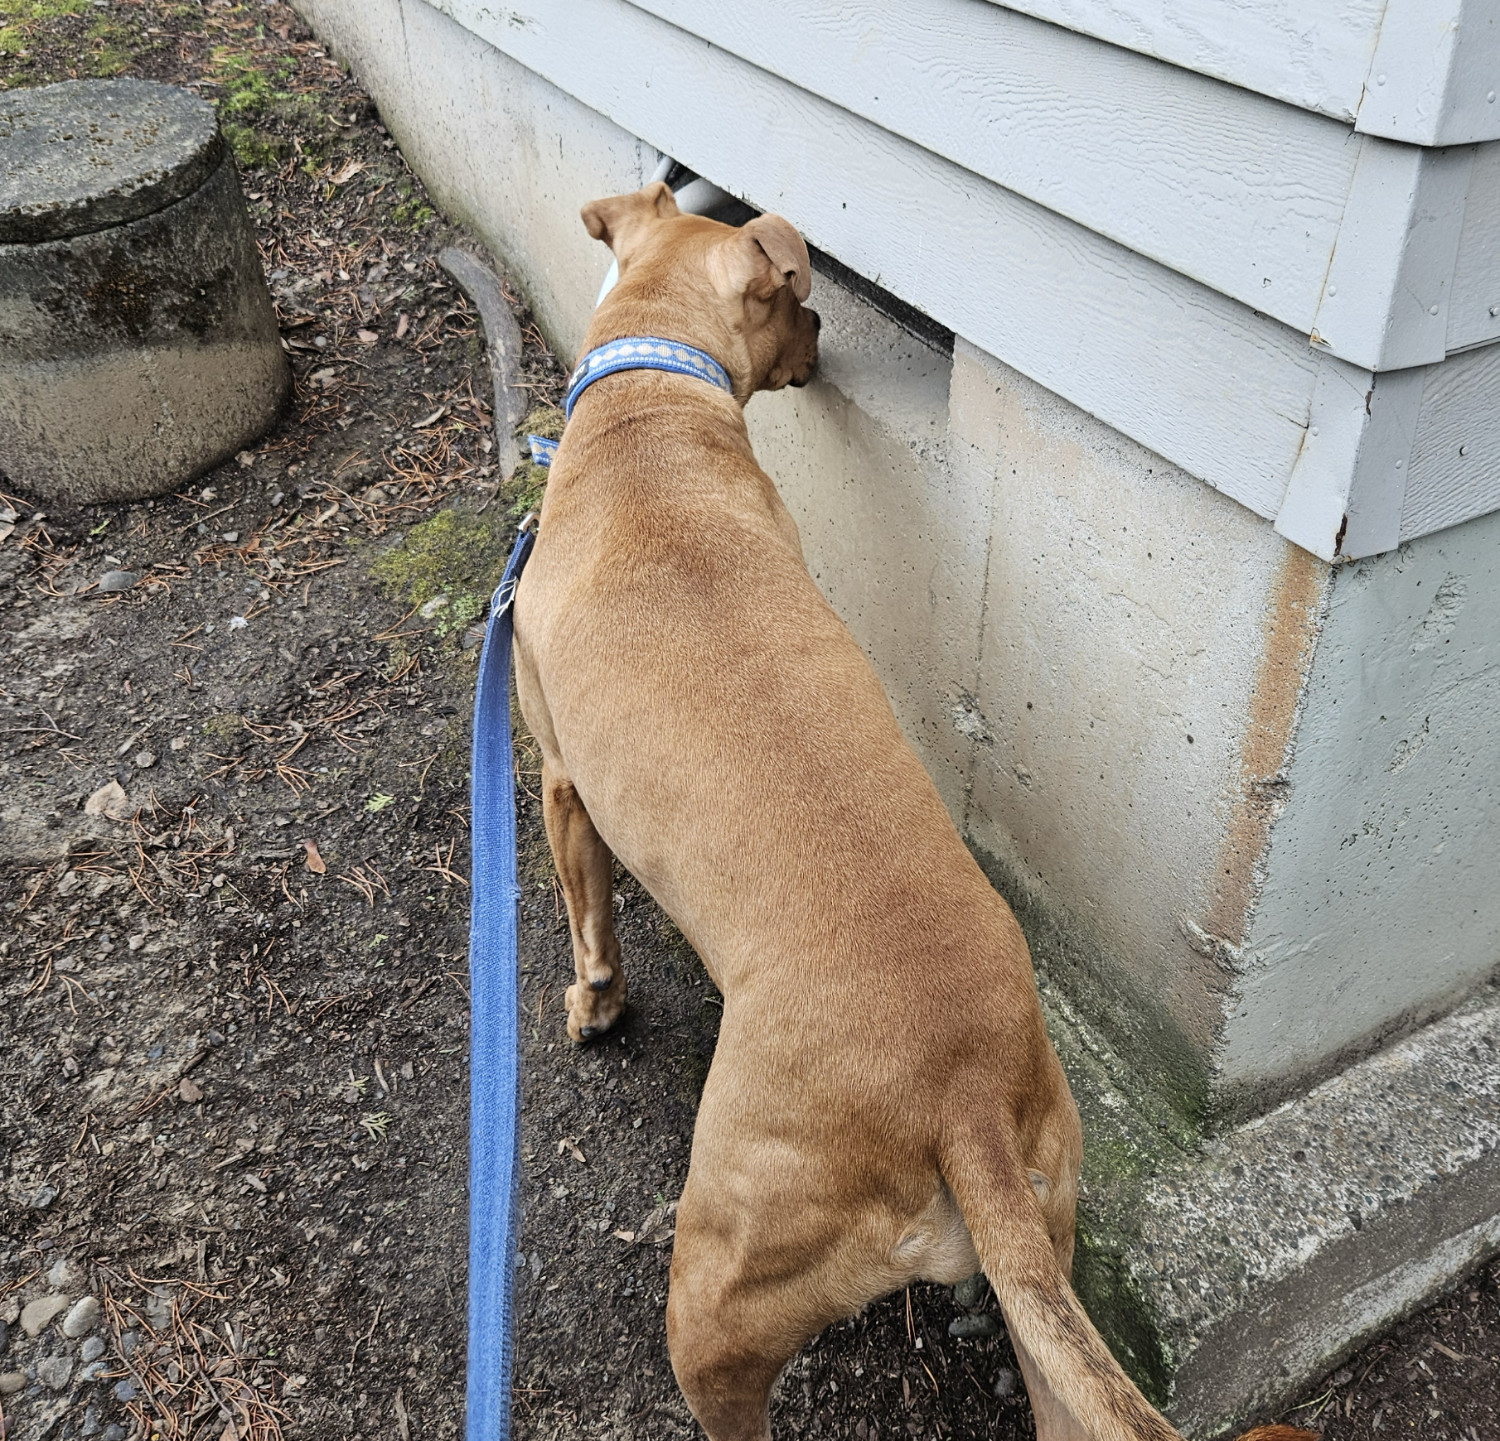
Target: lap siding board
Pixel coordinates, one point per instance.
(1222, 389)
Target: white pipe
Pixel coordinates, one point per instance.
(697, 197)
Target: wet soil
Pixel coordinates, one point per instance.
(233, 876)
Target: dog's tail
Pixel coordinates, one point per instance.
(1041, 1311)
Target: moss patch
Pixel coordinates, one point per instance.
(450, 563)
(1115, 1304)
(25, 11)
(524, 490)
(19, 17)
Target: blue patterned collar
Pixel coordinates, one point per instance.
(643, 352)
(632, 352)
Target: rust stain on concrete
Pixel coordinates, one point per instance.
(1290, 629)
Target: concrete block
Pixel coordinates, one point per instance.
(1229, 1274)
(138, 346)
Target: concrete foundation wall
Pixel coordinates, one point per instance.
(1378, 906)
(1073, 632)
(501, 150)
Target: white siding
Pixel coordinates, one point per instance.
(1422, 71)
(1278, 207)
(1220, 388)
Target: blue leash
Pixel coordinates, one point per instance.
(494, 1032)
(494, 999)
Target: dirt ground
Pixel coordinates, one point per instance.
(233, 871)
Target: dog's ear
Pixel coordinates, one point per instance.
(763, 256)
(621, 220)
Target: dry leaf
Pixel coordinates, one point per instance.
(569, 1145)
(623, 1235)
(432, 419)
(111, 802)
(402, 325)
(368, 337)
(190, 1091)
(657, 1229)
(314, 860)
(350, 169)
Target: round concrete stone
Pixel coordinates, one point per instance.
(89, 154)
(138, 346)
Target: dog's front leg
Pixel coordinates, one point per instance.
(597, 998)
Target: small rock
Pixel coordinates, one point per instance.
(143, 760)
(246, 458)
(11, 1382)
(968, 1328)
(92, 1349)
(116, 580)
(971, 1290)
(55, 1372)
(179, 743)
(430, 608)
(137, 941)
(231, 536)
(37, 1315)
(93, 1370)
(80, 1320)
(190, 1091)
(128, 1342)
(90, 1421)
(114, 1432)
(64, 1276)
(1005, 1382)
(124, 1390)
(43, 1197)
(4, 1336)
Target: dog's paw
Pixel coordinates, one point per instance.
(592, 1012)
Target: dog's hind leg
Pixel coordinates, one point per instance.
(597, 998)
(728, 1341)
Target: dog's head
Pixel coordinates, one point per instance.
(735, 291)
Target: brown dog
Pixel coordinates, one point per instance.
(884, 1105)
